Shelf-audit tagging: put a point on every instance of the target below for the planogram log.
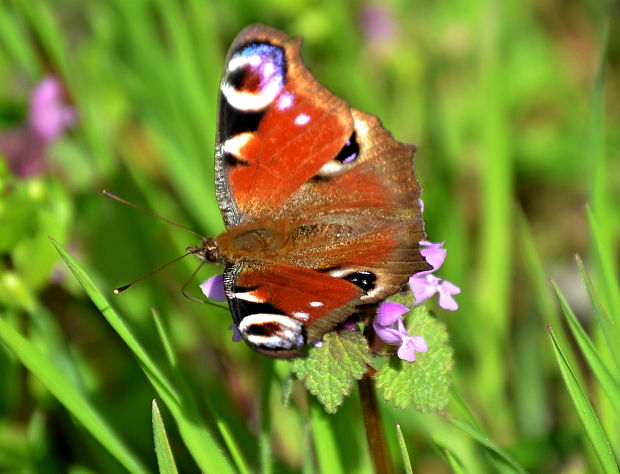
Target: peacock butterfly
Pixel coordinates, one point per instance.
(320, 202)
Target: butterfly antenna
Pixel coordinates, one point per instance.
(193, 298)
(151, 213)
(149, 275)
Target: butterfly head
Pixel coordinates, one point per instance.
(207, 251)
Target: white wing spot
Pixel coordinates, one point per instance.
(302, 119)
(300, 315)
(285, 101)
(235, 144)
(249, 297)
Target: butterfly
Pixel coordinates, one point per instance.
(320, 202)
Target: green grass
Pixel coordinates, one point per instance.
(515, 108)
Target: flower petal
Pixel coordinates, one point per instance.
(446, 301)
(236, 337)
(446, 290)
(388, 313)
(406, 351)
(423, 287)
(213, 288)
(434, 257)
(410, 346)
(389, 335)
(419, 343)
(449, 287)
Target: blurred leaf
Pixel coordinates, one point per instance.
(590, 421)
(330, 371)
(510, 464)
(165, 460)
(426, 381)
(325, 441)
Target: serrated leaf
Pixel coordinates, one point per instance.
(330, 371)
(424, 383)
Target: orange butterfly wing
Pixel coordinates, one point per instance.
(321, 203)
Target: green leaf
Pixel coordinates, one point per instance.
(165, 460)
(426, 381)
(330, 371)
(590, 421)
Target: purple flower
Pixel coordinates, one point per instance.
(425, 284)
(377, 23)
(213, 288)
(388, 325)
(236, 337)
(49, 116)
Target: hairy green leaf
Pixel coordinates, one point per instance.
(425, 383)
(330, 371)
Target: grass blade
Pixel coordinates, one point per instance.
(608, 325)
(606, 379)
(327, 452)
(165, 460)
(403, 450)
(594, 430)
(198, 438)
(115, 321)
(65, 392)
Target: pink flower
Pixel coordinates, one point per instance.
(49, 116)
(388, 325)
(425, 284)
(25, 148)
(377, 23)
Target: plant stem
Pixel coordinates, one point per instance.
(374, 428)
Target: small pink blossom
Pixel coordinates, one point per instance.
(425, 284)
(388, 325)
(377, 23)
(49, 116)
(25, 148)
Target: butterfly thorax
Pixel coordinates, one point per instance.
(244, 242)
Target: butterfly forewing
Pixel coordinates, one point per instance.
(321, 203)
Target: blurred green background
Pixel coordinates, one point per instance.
(515, 108)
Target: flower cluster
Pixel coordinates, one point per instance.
(388, 324)
(25, 148)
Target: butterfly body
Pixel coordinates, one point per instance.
(320, 202)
